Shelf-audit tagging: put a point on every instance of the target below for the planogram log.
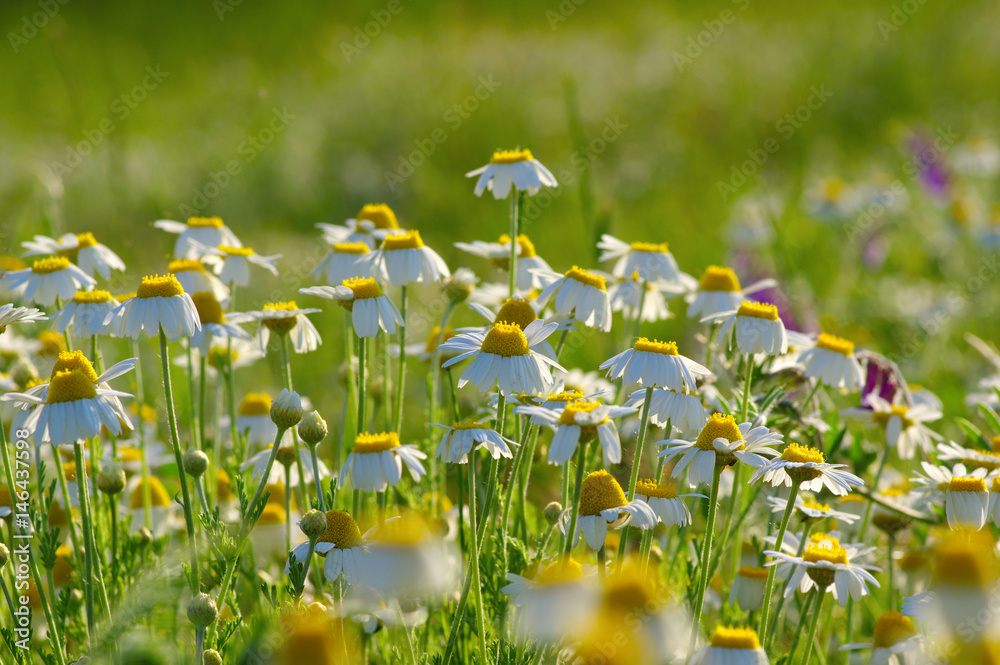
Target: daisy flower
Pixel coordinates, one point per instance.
(283, 318)
(904, 426)
(663, 498)
(507, 168)
(529, 264)
(460, 439)
(966, 503)
(603, 504)
(342, 547)
(425, 350)
(194, 277)
(199, 232)
(628, 293)
(404, 258)
(85, 313)
(580, 421)
(894, 636)
(757, 328)
(811, 511)
(407, 560)
(650, 260)
(49, 279)
(586, 383)
(161, 506)
(828, 565)
(831, 361)
(831, 198)
(556, 601)
(372, 223)
(377, 460)
(253, 420)
(933, 486)
(806, 465)
(363, 298)
(9, 315)
(720, 442)
(748, 588)
(215, 325)
(518, 310)
(160, 303)
(682, 410)
(582, 294)
(504, 355)
(92, 257)
(731, 646)
(719, 291)
(345, 260)
(653, 363)
(232, 264)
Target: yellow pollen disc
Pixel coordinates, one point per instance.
(526, 247)
(351, 248)
(255, 404)
(159, 286)
(285, 306)
(403, 240)
(829, 552)
(69, 470)
(758, 310)
(375, 443)
(50, 265)
(11, 263)
(995, 487)
(735, 638)
(967, 484)
(271, 515)
(157, 493)
(568, 416)
(892, 628)
(409, 530)
(562, 571)
(70, 386)
(568, 396)
(816, 505)
(966, 562)
(283, 325)
(432, 338)
(5, 498)
(62, 571)
(658, 247)
(85, 239)
(219, 355)
(820, 537)
(837, 344)
(125, 296)
(719, 426)
(470, 425)
(91, 297)
(995, 443)
(277, 491)
(209, 309)
(378, 214)
(719, 278)
(600, 491)
(651, 488)
(832, 188)
(882, 417)
(802, 454)
(52, 343)
(363, 287)
(753, 572)
(203, 222)
(588, 278)
(655, 346)
(511, 156)
(518, 311)
(129, 454)
(74, 360)
(229, 250)
(341, 530)
(185, 265)
(505, 340)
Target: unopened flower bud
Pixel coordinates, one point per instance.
(211, 657)
(313, 524)
(195, 462)
(111, 479)
(286, 409)
(202, 610)
(313, 428)
(552, 512)
(4, 555)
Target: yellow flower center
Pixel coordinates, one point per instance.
(913, 561)
(282, 325)
(588, 278)
(753, 572)
(157, 493)
(92, 297)
(600, 491)
(526, 247)
(129, 454)
(735, 638)
(568, 396)
(892, 628)
(404, 240)
(159, 286)
(375, 443)
(719, 278)
(11, 263)
(272, 514)
(968, 563)
(802, 454)
(829, 551)
(222, 489)
(882, 417)
(655, 346)
(511, 156)
(50, 265)
(378, 214)
(409, 530)
(52, 343)
(816, 505)
(719, 426)
(836, 344)
(341, 530)
(229, 250)
(68, 361)
(70, 386)
(832, 188)
(255, 404)
(995, 443)
(468, 425)
(363, 287)
(432, 338)
(351, 248)
(758, 310)
(568, 416)
(185, 265)
(505, 340)
(69, 470)
(516, 310)
(568, 570)
(85, 239)
(209, 309)
(649, 487)
(219, 357)
(62, 571)
(657, 247)
(966, 484)
(125, 296)
(205, 222)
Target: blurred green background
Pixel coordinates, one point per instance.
(691, 86)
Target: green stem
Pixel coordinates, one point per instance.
(193, 399)
(781, 597)
(140, 395)
(778, 541)
(303, 487)
(634, 478)
(706, 553)
(320, 498)
(581, 456)
(401, 376)
(812, 626)
(362, 359)
(891, 590)
(491, 483)
(803, 614)
(745, 411)
(252, 509)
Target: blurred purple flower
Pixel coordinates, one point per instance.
(931, 170)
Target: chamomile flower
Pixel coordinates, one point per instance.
(160, 303)
(682, 410)
(967, 503)
(731, 646)
(346, 260)
(377, 460)
(602, 505)
(627, 293)
(993, 507)
(372, 223)
(904, 426)
(85, 313)
(831, 361)
(215, 325)
(828, 565)
(9, 315)
(194, 277)
(894, 636)
(512, 168)
(371, 311)
(557, 600)
(651, 261)
(748, 588)
(49, 279)
(586, 383)
(831, 198)
(460, 439)
(932, 485)
(719, 291)
(407, 560)
(504, 355)
(284, 318)
(720, 442)
(425, 350)
(92, 257)
(404, 258)
(580, 422)
(806, 465)
(518, 310)
(529, 264)
(811, 511)
(653, 363)
(161, 506)
(197, 233)
(581, 294)
(232, 264)
(757, 328)
(341, 545)
(663, 498)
